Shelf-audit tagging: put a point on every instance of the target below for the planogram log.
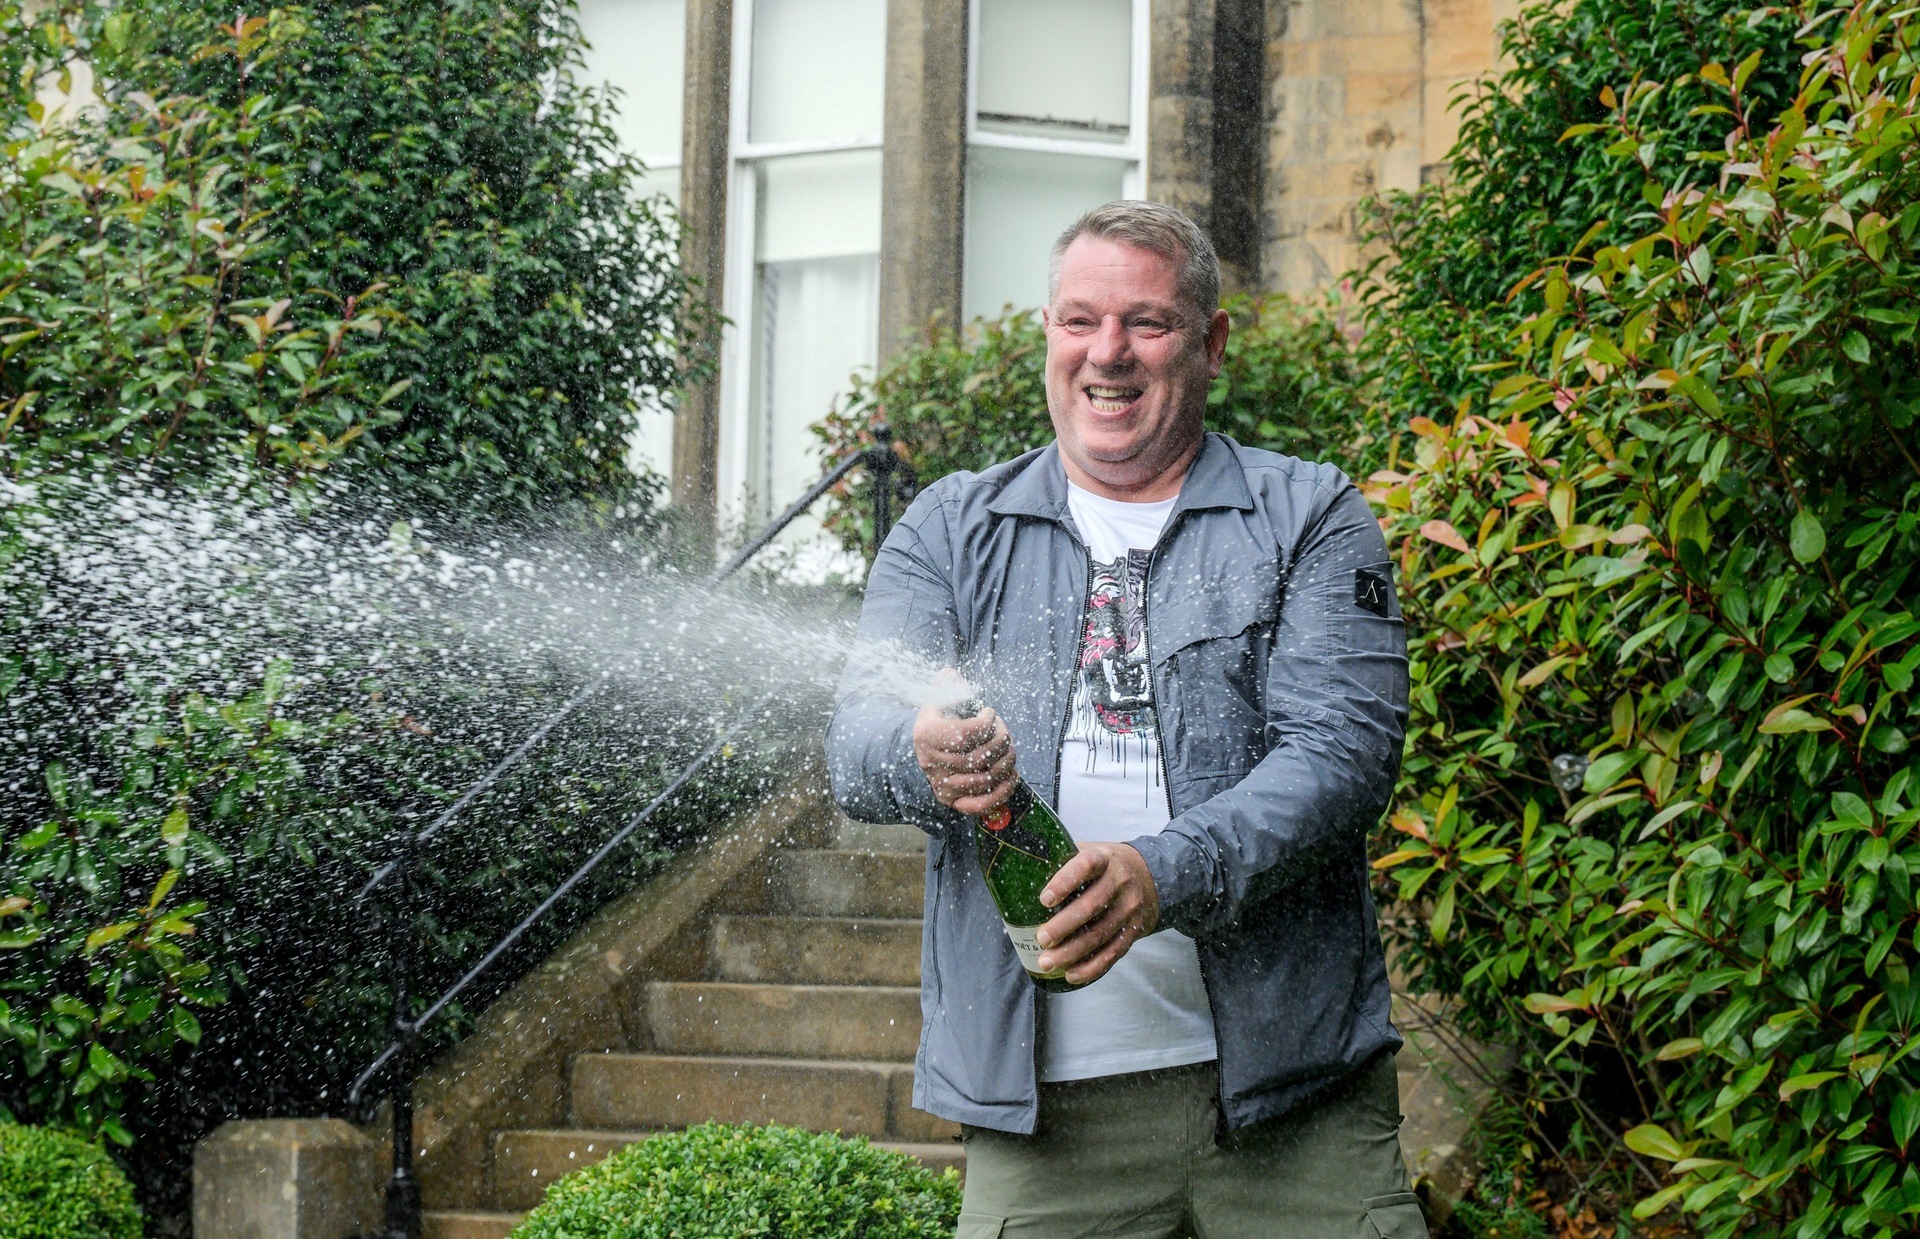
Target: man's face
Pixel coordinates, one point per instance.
(1128, 365)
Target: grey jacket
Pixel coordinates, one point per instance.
(1278, 658)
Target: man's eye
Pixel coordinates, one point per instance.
(1149, 326)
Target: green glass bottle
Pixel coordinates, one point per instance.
(1021, 845)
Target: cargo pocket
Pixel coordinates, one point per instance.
(980, 1226)
(1393, 1216)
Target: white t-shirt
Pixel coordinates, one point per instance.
(1150, 1010)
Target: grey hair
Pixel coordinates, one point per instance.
(1150, 226)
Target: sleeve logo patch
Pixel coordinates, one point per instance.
(1372, 591)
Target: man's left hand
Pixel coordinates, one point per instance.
(1117, 906)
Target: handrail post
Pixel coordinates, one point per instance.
(889, 473)
(403, 1187)
(881, 464)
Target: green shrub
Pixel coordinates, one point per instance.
(454, 153)
(727, 1182)
(240, 300)
(964, 400)
(1658, 803)
(57, 1186)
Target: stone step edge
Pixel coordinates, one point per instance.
(754, 1060)
(467, 1223)
(834, 987)
(918, 856)
(813, 918)
(636, 1135)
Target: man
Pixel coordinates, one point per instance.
(1192, 649)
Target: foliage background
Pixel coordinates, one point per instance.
(1635, 400)
(338, 287)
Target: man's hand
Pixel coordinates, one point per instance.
(969, 761)
(1117, 906)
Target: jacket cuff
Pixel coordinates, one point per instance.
(1180, 880)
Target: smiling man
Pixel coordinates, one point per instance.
(1193, 651)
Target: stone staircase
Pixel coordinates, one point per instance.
(804, 1009)
(795, 999)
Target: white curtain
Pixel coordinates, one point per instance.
(816, 322)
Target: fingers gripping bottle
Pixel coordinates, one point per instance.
(1021, 845)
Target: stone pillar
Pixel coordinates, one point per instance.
(1180, 107)
(1205, 120)
(923, 168)
(287, 1179)
(704, 169)
(1344, 102)
(1239, 139)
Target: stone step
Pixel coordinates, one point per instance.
(784, 1021)
(851, 836)
(465, 1224)
(526, 1163)
(815, 950)
(642, 1092)
(829, 882)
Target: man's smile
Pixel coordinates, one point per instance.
(1110, 398)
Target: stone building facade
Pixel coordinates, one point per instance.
(847, 169)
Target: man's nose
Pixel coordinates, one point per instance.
(1111, 348)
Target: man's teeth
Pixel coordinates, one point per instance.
(1112, 399)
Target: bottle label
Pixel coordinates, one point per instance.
(1026, 945)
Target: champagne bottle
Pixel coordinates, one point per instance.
(1021, 845)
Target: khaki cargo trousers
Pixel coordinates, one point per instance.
(1140, 1156)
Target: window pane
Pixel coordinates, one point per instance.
(818, 206)
(1017, 203)
(818, 69)
(815, 315)
(640, 47)
(1056, 67)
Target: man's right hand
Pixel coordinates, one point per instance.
(969, 761)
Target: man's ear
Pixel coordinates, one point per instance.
(1217, 328)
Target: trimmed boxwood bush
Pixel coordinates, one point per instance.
(57, 1186)
(724, 1180)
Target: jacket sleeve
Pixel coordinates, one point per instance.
(908, 624)
(1336, 714)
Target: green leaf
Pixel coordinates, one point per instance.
(1610, 769)
(1652, 1140)
(1855, 346)
(1807, 538)
(1904, 1118)
(184, 1024)
(1801, 1083)
(109, 933)
(1443, 912)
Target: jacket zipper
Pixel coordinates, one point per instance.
(1059, 742)
(1166, 781)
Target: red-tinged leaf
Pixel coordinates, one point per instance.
(1444, 533)
(1629, 534)
(1542, 1004)
(1400, 857)
(1408, 822)
(1423, 425)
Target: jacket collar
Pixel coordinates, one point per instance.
(1214, 480)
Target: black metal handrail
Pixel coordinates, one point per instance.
(403, 1209)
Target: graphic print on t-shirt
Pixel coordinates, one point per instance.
(1113, 706)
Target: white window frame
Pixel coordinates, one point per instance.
(1134, 182)
(737, 295)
